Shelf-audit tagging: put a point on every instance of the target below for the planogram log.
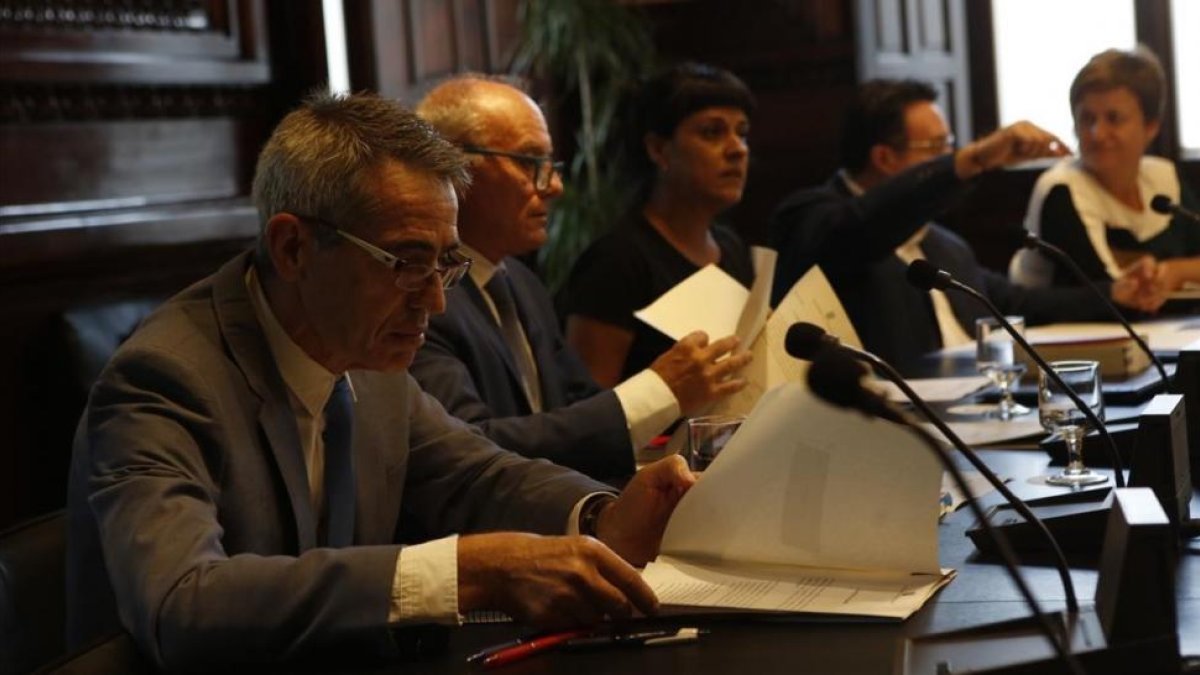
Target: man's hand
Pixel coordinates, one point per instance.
(549, 582)
(695, 375)
(1140, 286)
(1015, 143)
(633, 524)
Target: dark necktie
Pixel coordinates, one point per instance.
(337, 520)
(499, 288)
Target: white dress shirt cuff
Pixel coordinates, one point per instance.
(425, 585)
(573, 519)
(648, 404)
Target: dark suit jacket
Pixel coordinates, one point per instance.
(189, 506)
(466, 365)
(854, 239)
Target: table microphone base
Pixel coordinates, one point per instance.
(1018, 647)
(1076, 519)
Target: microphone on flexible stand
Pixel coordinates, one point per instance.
(926, 276)
(805, 341)
(835, 377)
(1162, 204)
(1026, 239)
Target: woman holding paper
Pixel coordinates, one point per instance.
(1098, 207)
(687, 149)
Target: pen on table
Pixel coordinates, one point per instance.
(488, 651)
(511, 654)
(646, 639)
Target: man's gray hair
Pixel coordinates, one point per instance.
(452, 109)
(320, 160)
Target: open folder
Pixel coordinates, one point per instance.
(809, 508)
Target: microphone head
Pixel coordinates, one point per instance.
(804, 340)
(1162, 204)
(926, 276)
(836, 378)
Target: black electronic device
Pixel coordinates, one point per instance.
(1187, 383)
(1163, 204)
(1160, 458)
(1131, 629)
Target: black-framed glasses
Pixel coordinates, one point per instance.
(409, 275)
(543, 167)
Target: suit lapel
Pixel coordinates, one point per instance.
(540, 343)
(484, 325)
(248, 347)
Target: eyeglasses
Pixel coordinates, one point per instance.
(939, 144)
(543, 167)
(410, 276)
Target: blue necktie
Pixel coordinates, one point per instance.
(338, 437)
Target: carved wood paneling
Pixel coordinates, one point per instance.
(402, 47)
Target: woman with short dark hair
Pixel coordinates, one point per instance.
(1097, 207)
(689, 154)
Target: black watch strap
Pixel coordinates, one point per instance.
(589, 515)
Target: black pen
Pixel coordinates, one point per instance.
(644, 639)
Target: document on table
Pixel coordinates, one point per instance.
(806, 493)
(935, 389)
(986, 431)
(1171, 335)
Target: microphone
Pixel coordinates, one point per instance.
(926, 276)
(1031, 240)
(836, 377)
(828, 376)
(1162, 204)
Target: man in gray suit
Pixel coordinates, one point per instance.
(252, 457)
(515, 376)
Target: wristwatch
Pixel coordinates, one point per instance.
(589, 514)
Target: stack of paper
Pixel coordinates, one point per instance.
(809, 508)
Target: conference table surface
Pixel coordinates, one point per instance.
(982, 593)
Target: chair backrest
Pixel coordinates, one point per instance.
(32, 592)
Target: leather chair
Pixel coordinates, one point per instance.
(33, 592)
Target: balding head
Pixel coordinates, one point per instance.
(504, 134)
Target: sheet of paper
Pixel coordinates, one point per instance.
(987, 431)
(709, 300)
(786, 589)
(935, 389)
(804, 483)
(1160, 335)
(758, 303)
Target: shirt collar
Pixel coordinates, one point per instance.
(482, 270)
(308, 380)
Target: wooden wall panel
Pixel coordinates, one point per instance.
(402, 47)
(128, 135)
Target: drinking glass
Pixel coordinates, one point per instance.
(995, 356)
(1058, 413)
(707, 436)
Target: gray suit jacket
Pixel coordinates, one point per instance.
(467, 366)
(189, 508)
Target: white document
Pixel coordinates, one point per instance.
(709, 300)
(817, 490)
(935, 389)
(985, 431)
(1160, 335)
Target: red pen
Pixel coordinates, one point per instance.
(534, 646)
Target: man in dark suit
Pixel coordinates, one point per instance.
(252, 458)
(497, 357)
(872, 218)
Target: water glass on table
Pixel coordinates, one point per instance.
(1058, 413)
(707, 436)
(995, 357)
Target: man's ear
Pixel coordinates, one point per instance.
(884, 158)
(289, 243)
(656, 150)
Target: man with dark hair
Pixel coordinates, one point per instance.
(497, 357)
(252, 458)
(871, 219)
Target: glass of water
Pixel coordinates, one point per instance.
(1058, 413)
(995, 356)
